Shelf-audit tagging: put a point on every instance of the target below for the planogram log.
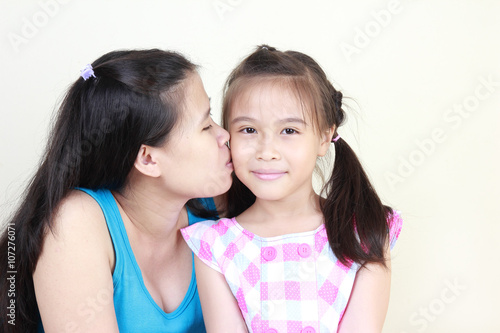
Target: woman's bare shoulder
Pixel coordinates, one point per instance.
(79, 211)
(75, 265)
(79, 220)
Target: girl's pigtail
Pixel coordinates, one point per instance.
(355, 218)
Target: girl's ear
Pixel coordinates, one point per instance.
(146, 162)
(326, 139)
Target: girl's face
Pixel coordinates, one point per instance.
(274, 145)
(196, 159)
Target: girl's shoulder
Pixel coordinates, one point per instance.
(224, 230)
(214, 241)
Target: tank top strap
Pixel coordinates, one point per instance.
(114, 221)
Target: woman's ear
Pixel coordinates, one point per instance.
(326, 139)
(146, 162)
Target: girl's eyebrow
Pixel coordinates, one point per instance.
(242, 119)
(282, 121)
(292, 120)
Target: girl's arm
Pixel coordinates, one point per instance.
(73, 280)
(220, 309)
(367, 307)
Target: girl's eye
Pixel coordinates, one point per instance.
(289, 131)
(248, 130)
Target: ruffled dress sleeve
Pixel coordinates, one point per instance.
(395, 223)
(203, 238)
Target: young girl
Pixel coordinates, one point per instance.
(291, 260)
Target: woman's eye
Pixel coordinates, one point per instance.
(207, 128)
(289, 131)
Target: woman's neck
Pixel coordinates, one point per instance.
(152, 214)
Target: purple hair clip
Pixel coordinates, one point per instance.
(87, 72)
(336, 138)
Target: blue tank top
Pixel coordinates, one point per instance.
(135, 309)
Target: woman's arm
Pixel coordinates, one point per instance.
(367, 307)
(73, 279)
(220, 309)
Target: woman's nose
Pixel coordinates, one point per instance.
(222, 136)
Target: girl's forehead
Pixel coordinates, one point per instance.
(295, 96)
(269, 97)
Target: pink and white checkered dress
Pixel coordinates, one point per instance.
(291, 283)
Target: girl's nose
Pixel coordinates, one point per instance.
(267, 149)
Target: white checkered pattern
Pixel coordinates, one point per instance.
(289, 292)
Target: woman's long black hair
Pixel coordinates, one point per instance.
(352, 207)
(133, 98)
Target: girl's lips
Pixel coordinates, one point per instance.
(268, 175)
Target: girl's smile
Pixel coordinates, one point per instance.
(268, 174)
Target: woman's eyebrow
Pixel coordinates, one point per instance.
(206, 115)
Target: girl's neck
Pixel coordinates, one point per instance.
(291, 215)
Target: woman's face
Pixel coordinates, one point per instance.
(197, 160)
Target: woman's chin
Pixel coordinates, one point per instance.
(216, 187)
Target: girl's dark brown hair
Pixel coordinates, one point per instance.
(356, 221)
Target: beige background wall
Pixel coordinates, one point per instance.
(425, 80)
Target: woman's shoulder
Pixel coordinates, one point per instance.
(78, 217)
(77, 259)
(77, 210)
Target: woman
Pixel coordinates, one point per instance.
(97, 236)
